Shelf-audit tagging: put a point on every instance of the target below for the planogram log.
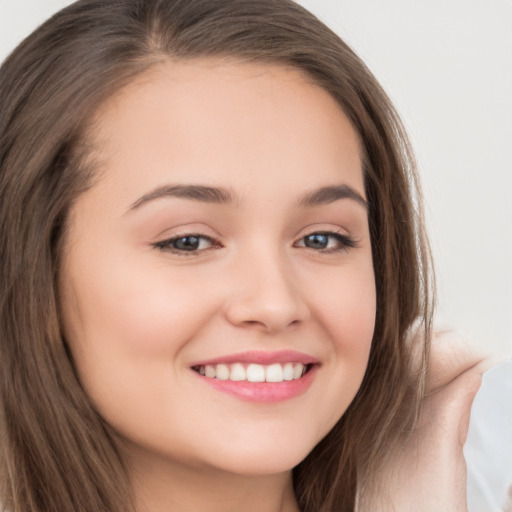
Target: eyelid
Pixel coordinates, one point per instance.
(346, 241)
(166, 244)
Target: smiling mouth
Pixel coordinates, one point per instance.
(238, 372)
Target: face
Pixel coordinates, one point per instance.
(217, 286)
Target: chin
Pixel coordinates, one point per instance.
(257, 460)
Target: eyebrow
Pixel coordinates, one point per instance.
(330, 194)
(200, 193)
(216, 195)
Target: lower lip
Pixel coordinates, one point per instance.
(268, 392)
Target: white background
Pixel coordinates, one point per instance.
(447, 65)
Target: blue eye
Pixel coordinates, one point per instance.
(327, 242)
(187, 243)
(316, 241)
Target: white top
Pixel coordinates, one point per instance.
(488, 450)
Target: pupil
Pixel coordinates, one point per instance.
(316, 241)
(187, 243)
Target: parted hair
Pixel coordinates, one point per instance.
(57, 453)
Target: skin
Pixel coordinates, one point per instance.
(138, 313)
(428, 472)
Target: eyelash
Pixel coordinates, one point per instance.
(343, 243)
(167, 245)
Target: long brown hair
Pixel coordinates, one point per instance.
(57, 454)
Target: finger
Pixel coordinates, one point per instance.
(448, 410)
(451, 356)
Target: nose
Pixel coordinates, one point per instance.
(265, 295)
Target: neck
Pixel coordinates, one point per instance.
(161, 485)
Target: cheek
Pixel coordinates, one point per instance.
(348, 314)
(346, 305)
(148, 312)
(354, 323)
(126, 334)
(126, 337)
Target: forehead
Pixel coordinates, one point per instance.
(224, 120)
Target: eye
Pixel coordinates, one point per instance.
(192, 243)
(326, 242)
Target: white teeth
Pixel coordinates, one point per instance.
(274, 373)
(298, 370)
(253, 372)
(209, 371)
(237, 372)
(222, 372)
(288, 371)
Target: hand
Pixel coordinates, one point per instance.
(428, 472)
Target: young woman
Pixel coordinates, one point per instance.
(214, 269)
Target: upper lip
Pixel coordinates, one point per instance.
(261, 357)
